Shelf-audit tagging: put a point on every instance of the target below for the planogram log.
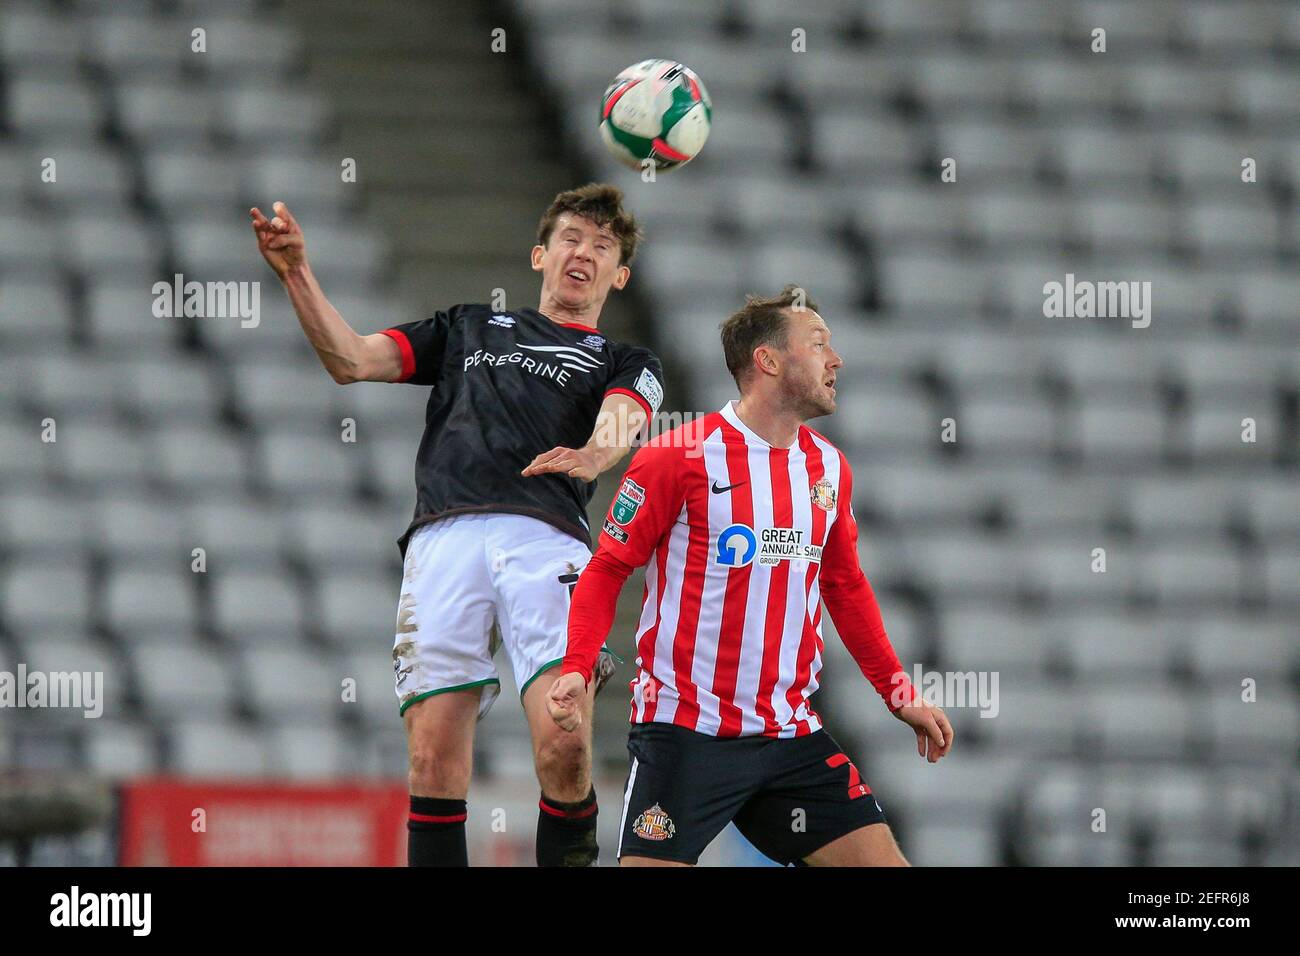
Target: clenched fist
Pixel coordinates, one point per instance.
(565, 700)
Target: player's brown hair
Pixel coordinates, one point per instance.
(603, 205)
(759, 322)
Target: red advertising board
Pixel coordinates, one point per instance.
(173, 822)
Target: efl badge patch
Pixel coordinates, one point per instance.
(823, 495)
(593, 342)
(654, 824)
(627, 502)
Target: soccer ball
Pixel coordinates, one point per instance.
(657, 110)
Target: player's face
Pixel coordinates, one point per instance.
(808, 385)
(580, 263)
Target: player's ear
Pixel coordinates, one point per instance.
(538, 254)
(621, 277)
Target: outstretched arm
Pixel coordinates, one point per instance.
(346, 355)
(853, 608)
(620, 420)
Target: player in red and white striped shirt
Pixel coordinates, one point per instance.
(745, 523)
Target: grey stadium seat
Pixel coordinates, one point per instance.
(133, 524)
(1062, 569)
(57, 654)
(195, 457)
(292, 680)
(1268, 727)
(178, 681)
(126, 45)
(1101, 646)
(174, 389)
(308, 751)
(295, 463)
(158, 600)
(1144, 720)
(983, 638)
(218, 749)
(376, 699)
(121, 749)
(47, 106)
(103, 244)
(965, 564)
(359, 610)
(257, 608)
(1232, 647)
(165, 114)
(234, 533)
(43, 522)
(44, 595)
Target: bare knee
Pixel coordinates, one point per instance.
(564, 766)
(440, 744)
(439, 771)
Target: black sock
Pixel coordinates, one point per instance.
(435, 833)
(566, 832)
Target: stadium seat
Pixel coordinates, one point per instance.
(1063, 570)
(307, 751)
(171, 115)
(42, 522)
(1036, 718)
(1140, 721)
(95, 669)
(135, 525)
(218, 749)
(989, 639)
(1267, 728)
(291, 680)
(257, 608)
(358, 610)
(27, 590)
(195, 457)
(376, 701)
(1114, 646)
(298, 462)
(178, 681)
(154, 599)
(122, 749)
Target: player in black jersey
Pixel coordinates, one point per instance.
(527, 407)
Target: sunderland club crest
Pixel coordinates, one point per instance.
(823, 495)
(654, 824)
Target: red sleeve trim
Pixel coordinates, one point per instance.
(408, 353)
(649, 413)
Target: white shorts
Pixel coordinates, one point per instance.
(471, 583)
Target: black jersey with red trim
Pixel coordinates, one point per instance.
(507, 386)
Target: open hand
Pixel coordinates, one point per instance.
(280, 239)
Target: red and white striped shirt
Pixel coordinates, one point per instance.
(742, 541)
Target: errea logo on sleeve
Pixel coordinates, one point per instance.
(650, 388)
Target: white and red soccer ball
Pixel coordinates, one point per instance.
(656, 110)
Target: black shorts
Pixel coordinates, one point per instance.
(788, 796)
